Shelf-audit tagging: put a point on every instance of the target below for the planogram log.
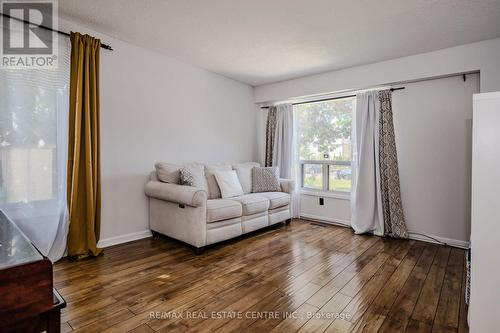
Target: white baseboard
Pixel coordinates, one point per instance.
(107, 242)
(452, 242)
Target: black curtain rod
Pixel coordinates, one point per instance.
(104, 46)
(330, 99)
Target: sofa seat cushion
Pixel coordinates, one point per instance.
(222, 209)
(276, 199)
(252, 203)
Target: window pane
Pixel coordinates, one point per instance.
(339, 178)
(27, 174)
(313, 176)
(324, 130)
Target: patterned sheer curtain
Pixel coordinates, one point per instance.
(392, 206)
(281, 146)
(376, 200)
(270, 133)
(33, 151)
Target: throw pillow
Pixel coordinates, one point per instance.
(168, 173)
(244, 171)
(193, 174)
(213, 187)
(228, 183)
(265, 179)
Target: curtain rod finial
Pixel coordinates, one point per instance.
(107, 47)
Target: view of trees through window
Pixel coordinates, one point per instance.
(28, 136)
(324, 143)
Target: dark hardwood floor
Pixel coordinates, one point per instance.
(298, 278)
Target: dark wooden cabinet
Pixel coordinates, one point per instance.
(28, 302)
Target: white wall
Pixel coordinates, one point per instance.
(433, 126)
(482, 56)
(155, 108)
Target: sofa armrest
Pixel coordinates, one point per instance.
(287, 185)
(186, 195)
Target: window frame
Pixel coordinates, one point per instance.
(325, 165)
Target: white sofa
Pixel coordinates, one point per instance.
(200, 217)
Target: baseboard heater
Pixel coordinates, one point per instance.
(322, 223)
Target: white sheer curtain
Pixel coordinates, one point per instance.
(366, 198)
(284, 149)
(33, 151)
(295, 172)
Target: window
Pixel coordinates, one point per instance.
(33, 147)
(32, 124)
(324, 144)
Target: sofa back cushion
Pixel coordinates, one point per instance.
(168, 173)
(213, 186)
(153, 176)
(265, 179)
(244, 172)
(193, 174)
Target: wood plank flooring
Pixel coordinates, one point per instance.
(299, 278)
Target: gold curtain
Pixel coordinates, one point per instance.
(84, 174)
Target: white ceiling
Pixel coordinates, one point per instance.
(263, 41)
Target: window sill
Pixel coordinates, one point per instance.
(323, 194)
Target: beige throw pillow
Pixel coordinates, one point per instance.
(228, 183)
(213, 187)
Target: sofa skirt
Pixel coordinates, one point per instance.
(254, 222)
(279, 214)
(221, 231)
